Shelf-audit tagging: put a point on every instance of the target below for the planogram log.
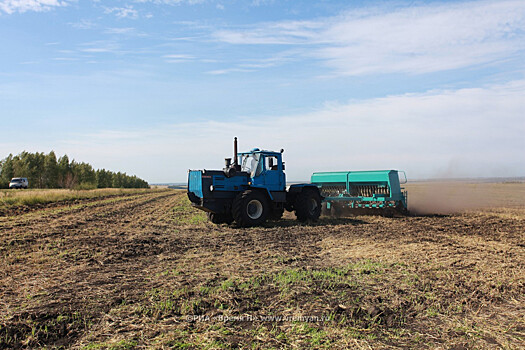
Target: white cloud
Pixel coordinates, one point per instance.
(100, 46)
(179, 56)
(418, 39)
(262, 2)
(12, 6)
(229, 70)
(97, 49)
(467, 132)
(83, 24)
(276, 60)
(283, 33)
(173, 2)
(123, 12)
(127, 30)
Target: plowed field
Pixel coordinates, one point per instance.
(148, 271)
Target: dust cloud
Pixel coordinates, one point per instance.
(450, 197)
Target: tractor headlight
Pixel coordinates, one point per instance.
(211, 188)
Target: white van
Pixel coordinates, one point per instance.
(18, 182)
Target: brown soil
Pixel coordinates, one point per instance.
(147, 270)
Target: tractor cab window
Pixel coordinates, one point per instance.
(271, 163)
(251, 164)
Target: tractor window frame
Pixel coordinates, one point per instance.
(254, 167)
(267, 163)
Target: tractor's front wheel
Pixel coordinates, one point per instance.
(250, 208)
(308, 205)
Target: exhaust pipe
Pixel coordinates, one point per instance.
(231, 168)
(235, 159)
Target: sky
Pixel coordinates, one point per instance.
(156, 87)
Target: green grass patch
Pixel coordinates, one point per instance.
(328, 307)
(185, 214)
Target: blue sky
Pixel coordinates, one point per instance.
(154, 87)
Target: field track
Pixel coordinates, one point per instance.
(148, 271)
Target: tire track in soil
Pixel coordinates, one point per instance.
(20, 210)
(65, 213)
(85, 260)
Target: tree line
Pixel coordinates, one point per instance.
(46, 171)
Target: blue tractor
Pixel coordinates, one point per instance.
(251, 190)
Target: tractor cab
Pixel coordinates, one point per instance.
(265, 169)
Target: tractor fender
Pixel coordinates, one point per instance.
(294, 190)
(297, 188)
(264, 190)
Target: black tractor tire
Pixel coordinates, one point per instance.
(276, 214)
(250, 208)
(308, 205)
(220, 218)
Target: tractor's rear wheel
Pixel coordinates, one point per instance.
(220, 218)
(250, 208)
(308, 205)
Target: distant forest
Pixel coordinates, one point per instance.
(46, 171)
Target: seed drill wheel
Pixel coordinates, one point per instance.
(220, 218)
(336, 211)
(250, 208)
(308, 205)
